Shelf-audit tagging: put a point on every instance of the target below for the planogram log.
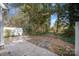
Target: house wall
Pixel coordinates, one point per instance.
(77, 38)
(1, 29)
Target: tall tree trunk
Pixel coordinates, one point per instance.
(57, 24)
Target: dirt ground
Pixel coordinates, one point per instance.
(50, 42)
(54, 44)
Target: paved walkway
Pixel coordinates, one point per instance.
(24, 48)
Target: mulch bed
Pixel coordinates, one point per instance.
(53, 44)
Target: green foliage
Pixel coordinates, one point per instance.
(7, 33)
(39, 17)
(69, 32)
(64, 37)
(65, 20)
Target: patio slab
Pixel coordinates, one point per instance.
(24, 48)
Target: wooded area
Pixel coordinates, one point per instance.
(35, 19)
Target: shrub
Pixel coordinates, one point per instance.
(7, 33)
(69, 32)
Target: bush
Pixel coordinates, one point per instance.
(68, 35)
(7, 33)
(69, 32)
(70, 39)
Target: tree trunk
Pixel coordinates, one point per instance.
(57, 24)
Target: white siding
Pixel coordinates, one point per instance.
(77, 38)
(1, 29)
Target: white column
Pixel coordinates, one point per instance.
(77, 38)
(1, 29)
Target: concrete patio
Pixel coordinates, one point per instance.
(21, 47)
